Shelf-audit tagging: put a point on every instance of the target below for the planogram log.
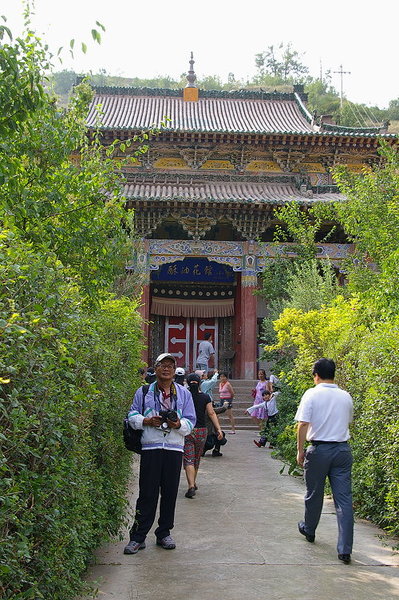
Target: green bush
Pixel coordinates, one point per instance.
(69, 348)
(67, 377)
(367, 358)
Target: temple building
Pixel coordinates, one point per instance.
(204, 197)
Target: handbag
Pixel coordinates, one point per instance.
(253, 393)
(212, 439)
(132, 437)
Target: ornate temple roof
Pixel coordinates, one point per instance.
(240, 112)
(209, 114)
(225, 192)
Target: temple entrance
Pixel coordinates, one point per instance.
(189, 298)
(183, 335)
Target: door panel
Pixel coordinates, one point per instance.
(183, 335)
(177, 339)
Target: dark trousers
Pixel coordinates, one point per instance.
(159, 474)
(271, 422)
(332, 460)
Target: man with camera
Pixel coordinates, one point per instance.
(169, 416)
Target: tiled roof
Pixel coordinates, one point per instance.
(238, 112)
(224, 192)
(209, 114)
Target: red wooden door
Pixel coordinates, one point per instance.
(177, 339)
(183, 335)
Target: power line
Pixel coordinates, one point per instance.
(351, 106)
(374, 120)
(358, 112)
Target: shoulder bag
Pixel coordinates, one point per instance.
(132, 437)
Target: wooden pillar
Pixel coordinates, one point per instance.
(247, 328)
(246, 315)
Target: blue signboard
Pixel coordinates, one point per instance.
(194, 270)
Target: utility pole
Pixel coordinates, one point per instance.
(342, 73)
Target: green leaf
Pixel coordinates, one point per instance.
(100, 25)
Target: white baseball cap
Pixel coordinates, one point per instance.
(162, 357)
(180, 371)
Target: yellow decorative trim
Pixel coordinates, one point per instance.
(310, 168)
(170, 163)
(359, 168)
(217, 164)
(263, 165)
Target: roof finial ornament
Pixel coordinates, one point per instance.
(191, 76)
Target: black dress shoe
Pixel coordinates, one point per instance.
(190, 493)
(310, 538)
(346, 558)
(216, 453)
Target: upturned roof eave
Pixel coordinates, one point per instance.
(235, 200)
(316, 134)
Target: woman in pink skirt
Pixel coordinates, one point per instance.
(258, 415)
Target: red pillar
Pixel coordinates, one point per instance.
(144, 310)
(247, 328)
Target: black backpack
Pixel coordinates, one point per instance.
(132, 437)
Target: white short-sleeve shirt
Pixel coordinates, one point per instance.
(328, 409)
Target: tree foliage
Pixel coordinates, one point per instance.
(370, 217)
(357, 327)
(282, 62)
(323, 98)
(21, 65)
(69, 348)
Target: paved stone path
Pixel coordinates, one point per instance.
(238, 539)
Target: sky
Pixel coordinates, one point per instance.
(147, 38)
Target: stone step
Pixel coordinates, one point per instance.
(242, 400)
(242, 421)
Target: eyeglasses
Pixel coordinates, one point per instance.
(162, 366)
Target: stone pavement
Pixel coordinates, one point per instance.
(238, 539)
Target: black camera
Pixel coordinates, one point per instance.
(167, 414)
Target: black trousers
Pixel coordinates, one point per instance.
(159, 474)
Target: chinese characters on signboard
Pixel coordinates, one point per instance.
(194, 269)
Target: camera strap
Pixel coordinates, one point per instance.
(173, 399)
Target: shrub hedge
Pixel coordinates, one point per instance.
(67, 376)
(366, 354)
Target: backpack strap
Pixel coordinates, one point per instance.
(144, 390)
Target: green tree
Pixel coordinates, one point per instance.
(282, 63)
(370, 217)
(322, 97)
(393, 109)
(63, 81)
(63, 333)
(22, 64)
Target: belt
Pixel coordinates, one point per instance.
(317, 442)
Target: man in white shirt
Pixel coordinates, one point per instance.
(323, 416)
(205, 351)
